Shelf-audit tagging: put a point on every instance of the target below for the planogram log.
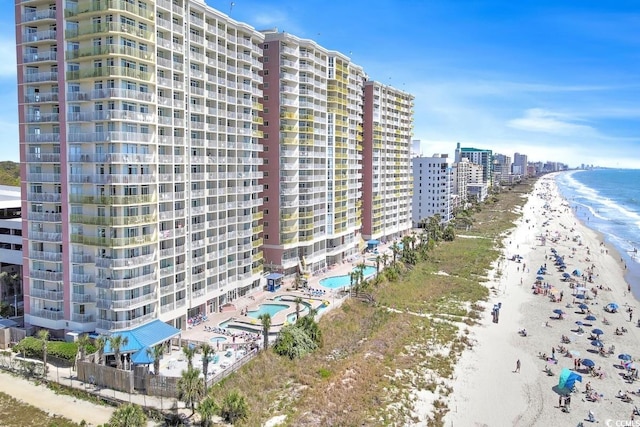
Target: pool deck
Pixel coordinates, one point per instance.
(251, 302)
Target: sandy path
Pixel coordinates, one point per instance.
(486, 390)
(46, 400)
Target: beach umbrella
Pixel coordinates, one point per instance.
(566, 275)
(590, 318)
(629, 365)
(580, 296)
(597, 332)
(583, 306)
(567, 379)
(539, 278)
(540, 271)
(597, 343)
(624, 356)
(588, 362)
(577, 272)
(579, 323)
(613, 306)
(558, 312)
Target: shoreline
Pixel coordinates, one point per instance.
(486, 390)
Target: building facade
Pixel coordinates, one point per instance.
(478, 156)
(387, 177)
(10, 245)
(139, 145)
(520, 163)
(313, 143)
(432, 188)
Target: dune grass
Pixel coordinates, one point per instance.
(14, 413)
(375, 356)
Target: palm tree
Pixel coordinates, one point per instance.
(207, 352)
(190, 388)
(156, 354)
(207, 409)
(189, 351)
(298, 301)
(385, 259)
(128, 415)
(83, 342)
(117, 342)
(396, 249)
(234, 407)
(297, 281)
(378, 259)
(266, 325)
(100, 343)
(43, 335)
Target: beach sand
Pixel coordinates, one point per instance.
(486, 390)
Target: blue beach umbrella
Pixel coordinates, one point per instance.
(579, 323)
(590, 318)
(566, 275)
(580, 296)
(597, 332)
(558, 311)
(624, 356)
(539, 278)
(597, 343)
(583, 306)
(588, 362)
(613, 306)
(541, 271)
(577, 272)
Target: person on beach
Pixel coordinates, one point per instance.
(517, 366)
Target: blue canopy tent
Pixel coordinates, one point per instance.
(568, 379)
(141, 338)
(373, 243)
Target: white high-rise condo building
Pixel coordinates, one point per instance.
(139, 145)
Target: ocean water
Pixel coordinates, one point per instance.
(608, 201)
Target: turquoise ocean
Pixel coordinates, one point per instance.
(608, 201)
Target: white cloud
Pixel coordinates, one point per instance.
(540, 120)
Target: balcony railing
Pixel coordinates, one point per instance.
(38, 15)
(113, 325)
(46, 275)
(83, 318)
(113, 242)
(44, 294)
(46, 256)
(39, 36)
(124, 262)
(45, 237)
(51, 314)
(126, 283)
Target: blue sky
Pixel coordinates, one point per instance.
(557, 80)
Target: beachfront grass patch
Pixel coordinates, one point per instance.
(14, 413)
(377, 356)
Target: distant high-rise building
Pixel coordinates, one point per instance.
(478, 156)
(501, 167)
(432, 188)
(386, 158)
(519, 166)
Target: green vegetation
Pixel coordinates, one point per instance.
(33, 347)
(404, 331)
(14, 413)
(10, 173)
(128, 415)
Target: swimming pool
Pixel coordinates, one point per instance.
(336, 282)
(270, 309)
(218, 339)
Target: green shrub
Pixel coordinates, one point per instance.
(32, 347)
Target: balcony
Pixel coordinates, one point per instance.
(38, 15)
(39, 36)
(98, 72)
(83, 318)
(48, 295)
(51, 314)
(45, 217)
(82, 259)
(111, 137)
(42, 118)
(132, 302)
(40, 57)
(126, 283)
(112, 325)
(124, 262)
(45, 237)
(46, 275)
(113, 242)
(46, 256)
(89, 6)
(44, 197)
(112, 200)
(41, 77)
(122, 93)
